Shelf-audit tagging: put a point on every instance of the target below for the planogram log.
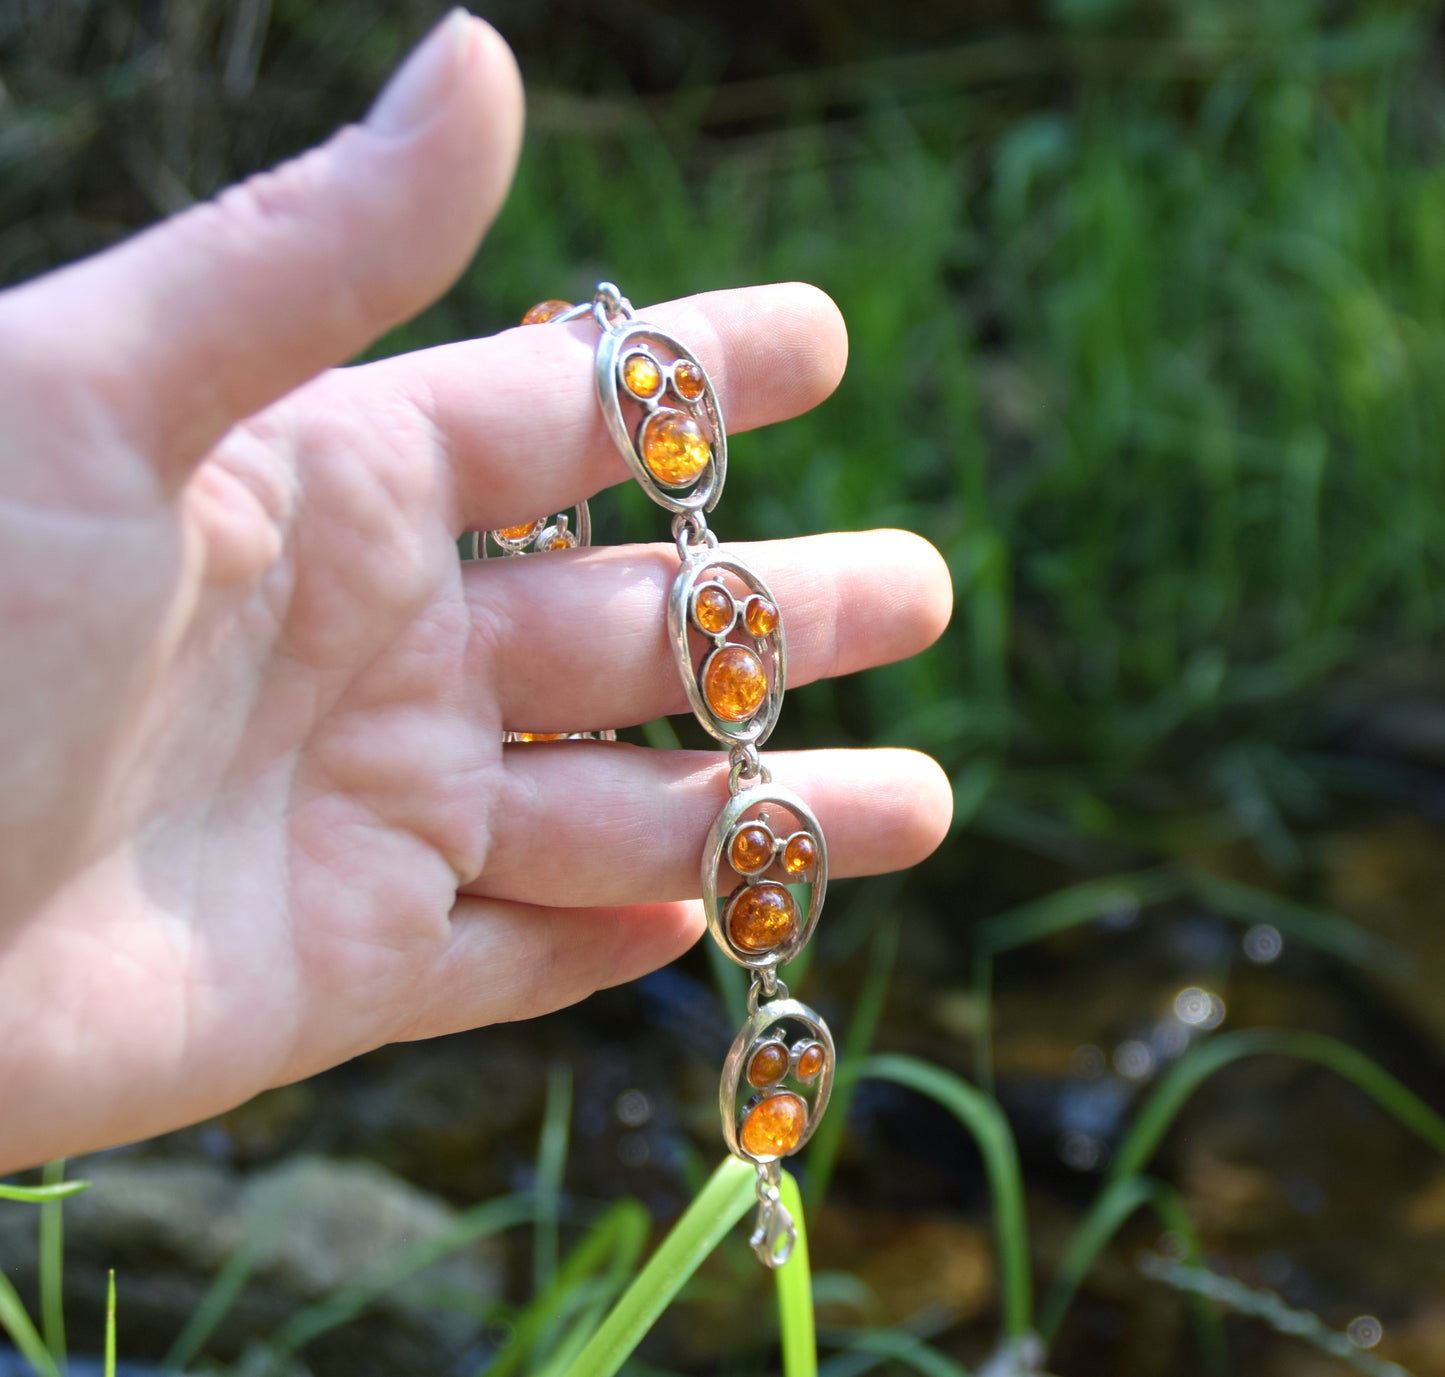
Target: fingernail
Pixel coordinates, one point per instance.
(423, 83)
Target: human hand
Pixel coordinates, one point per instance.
(257, 817)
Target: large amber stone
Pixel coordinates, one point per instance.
(768, 1065)
(752, 849)
(800, 854)
(762, 916)
(760, 617)
(734, 683)
(713, 609)
(674, 448)
(810, 1061)
(774, 1126)
(544, 311)
(688, 380)
(642, 375)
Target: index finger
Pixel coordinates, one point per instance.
(517, 413)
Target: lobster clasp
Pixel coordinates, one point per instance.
(774, 1234)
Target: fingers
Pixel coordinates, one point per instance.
(212, 314)
(531, 440)
(577, 641)
(510, 961)
(597, 823)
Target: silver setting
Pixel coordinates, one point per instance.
(771, 649)
(622, 335)
(539, 538)
(765, 798)
(789, 1021)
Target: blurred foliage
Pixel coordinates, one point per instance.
(1146, 309)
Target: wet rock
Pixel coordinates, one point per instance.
(316, 1225)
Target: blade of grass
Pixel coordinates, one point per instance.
(982, 1117)
(22, 1332)
(38, 1195)
(828, 1138)
(1067, 908)
(719, 1205)
(491, 1217)
(1203, 1060)
(1111, 1208)
(614, 1242)
(110, 1324)
(52, 1265)
(795, 1293)
(551, 1168)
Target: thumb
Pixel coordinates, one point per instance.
(205, 318)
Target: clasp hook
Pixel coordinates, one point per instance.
(774, 1235)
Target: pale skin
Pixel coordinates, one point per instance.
(256, 814)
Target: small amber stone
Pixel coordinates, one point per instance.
(674, 448)
(734, 683)
(713, 609)
(642, 375)
(810, 1062)
(769, 1065)
(800, 854)
(688, 380)
(515, 533)
(544, 311)
(540, 736)
(562, 542)
(774, 1126)
(752, 849)
(761, 917)
(760, 616)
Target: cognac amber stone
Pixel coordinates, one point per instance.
(674, 448)
(769, 1064)
(800, 854)
(540, 736)
(810, 1062)
(688, 380)
(516, 533)
(560, 541)
(544, 311)
(752, 849)
(760, 617)
(713, 609)
(774, 1126)
(642, 375)
(734, 683)
(761, 917)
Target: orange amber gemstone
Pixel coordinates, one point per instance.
(799, 854)
(642, 375)
(688, 380)
(769, 1064)
(713, 609)
(774, 1126)
(516, 533)
(540, 736)
(544, 311)
(752, 849)
(734, 683)
(674, 448)
(760, 616)
(761, 917)
(562, 542)
(810, 1062)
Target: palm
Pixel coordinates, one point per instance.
(258, 814)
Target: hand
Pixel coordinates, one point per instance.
(256, 816)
